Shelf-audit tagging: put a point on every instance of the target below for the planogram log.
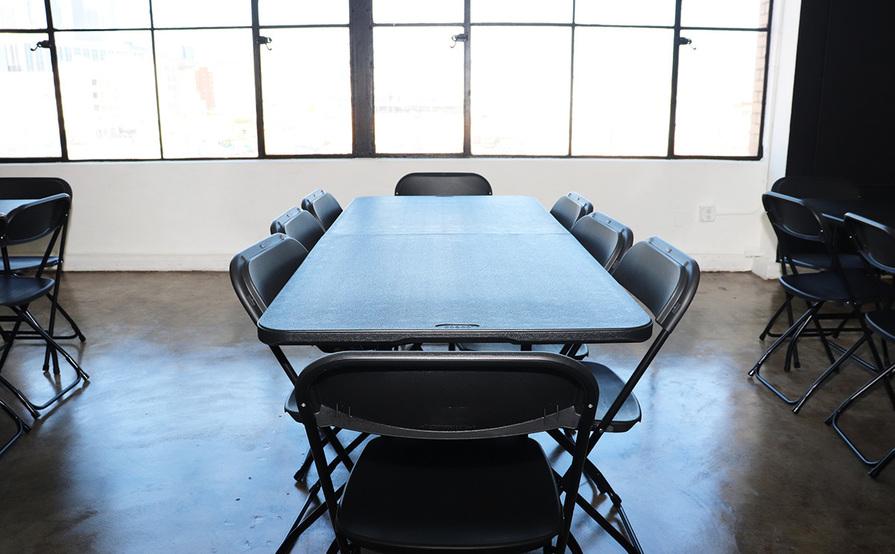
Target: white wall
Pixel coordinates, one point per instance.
(196, 215)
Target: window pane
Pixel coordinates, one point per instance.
(29, 125)
(206, 93)
(520, 95)
(720, 85)
(622, 93)
(99, 14)
(625, 12)
(729, 13)
(22, 14)
(521, 11)
(108, 94)
(201, 13)
(303, 119)
(414, 11)
(418, 90)
(303, 12)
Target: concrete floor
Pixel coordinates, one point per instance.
(180, 444)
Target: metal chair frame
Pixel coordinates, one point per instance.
(21, 428)
(23, 315)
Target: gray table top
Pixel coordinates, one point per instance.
(445, 269)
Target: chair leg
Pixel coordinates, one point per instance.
(822, 378)
(876, 466)
(21, 428)
(770, 325)
(32, 407)
(795, 331)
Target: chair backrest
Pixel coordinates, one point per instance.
(447, 395)
(443, 184)
(793, 217)
(831, 188)
(259, 272)
(875, 240)
(570, 208)
(662, 277)
(606, 239)
(299, 224)
(34, 220)
(32, 187)
(323, 205)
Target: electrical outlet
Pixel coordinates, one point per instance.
(707, 213)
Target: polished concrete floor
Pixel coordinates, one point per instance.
(180, 444)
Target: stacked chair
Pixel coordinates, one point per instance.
(839, 279)
(795, 254)
(876, 243)
(28, 223)
(469, 465)
(40, 187)
(854, 288)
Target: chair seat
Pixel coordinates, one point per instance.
(824, 261)
(829, 286)
(509, 347)
(451, 495)
(610, 385)
(882, 323)
(16, 290)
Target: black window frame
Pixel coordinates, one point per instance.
(360, 28)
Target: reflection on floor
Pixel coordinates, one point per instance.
(180, 443)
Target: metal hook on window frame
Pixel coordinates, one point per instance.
(461, 37)
(266, 41)
(41, 44)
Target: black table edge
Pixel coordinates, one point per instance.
(408, 336)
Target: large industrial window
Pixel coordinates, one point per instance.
(217, 79)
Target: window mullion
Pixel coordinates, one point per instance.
(259, 103)
(361, 37)
(54, 63)
(467, 89)
(672, 112)
(158, 107)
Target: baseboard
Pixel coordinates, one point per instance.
(147, 262)
(766, 267)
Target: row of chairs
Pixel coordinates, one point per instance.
(22, 282)
(838, 278)
(410, 490)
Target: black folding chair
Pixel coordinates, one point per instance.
(258, 273)
(28, 223)
(606, 240)
(323, 205)
(849, 287)
(665, 281)
(41, 187)
(876, 243)
(443, 184)
(570, 208)
(21, 427)
(794, 253)
(299, 224)
(452, 468)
